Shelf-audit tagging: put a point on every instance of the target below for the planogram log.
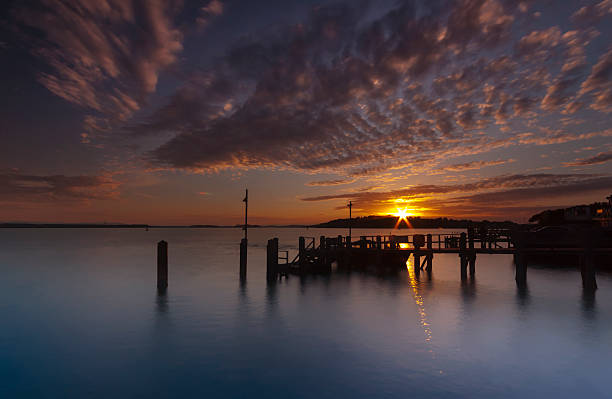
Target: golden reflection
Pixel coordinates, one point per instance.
(418, 299)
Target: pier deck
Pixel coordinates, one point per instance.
(393, 251)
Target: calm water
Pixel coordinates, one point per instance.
(81, 319)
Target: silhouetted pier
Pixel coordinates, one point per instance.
(391, 252)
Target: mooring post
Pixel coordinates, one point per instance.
(587, 267)
(362, 242)
(472, 254)
(162, 265)
(430, 253)
(302, 252)
(520, 259)
(339, 242)
(463, 255)
(417, 261)
(243, 257)
(349, 242)
(322, 250)
(272, 260)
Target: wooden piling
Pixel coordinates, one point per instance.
(417, 261)
(472, 252)
(339, 242)
(243, 257)
(520, 262)
(302, 252)
(272, 260)
(430, 253)
(362, 242)
(587, 267)
(162, 265)
(463, 261)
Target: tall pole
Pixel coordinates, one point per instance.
(350, 206)
(244, 241)
(246, 209)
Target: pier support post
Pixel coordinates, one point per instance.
(362, 242)
(472, 253)
(417, 261)
(463, 255)
(339, 242)
(430, 253)
(162, 266)
(243, 257)
(272, 260)
(587, 267)
(322, 251)
(472, 263)
(301, 252)
(520, 261)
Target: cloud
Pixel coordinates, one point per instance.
(516, 195)
(213, 9)
(332, 93)
(598, 159)
(103, 55)
(335, 182)
(345, 93)
(475, 165)
(15, 186)
(593, 13)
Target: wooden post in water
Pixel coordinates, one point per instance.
(302, 252)
(339, 242)
(430, 254)
(417, 261)
(378, 242)
(162, 266)
(322, 251)
(587, 267)
(472, 254)
(463, 255)
(272, 260)
(243, 257)
(362, 242)
(520, 259)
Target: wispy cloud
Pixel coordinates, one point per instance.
(342, 92)
(104, 55)
(600, 158)
(516, 195)
(15, 186)
(475, 165)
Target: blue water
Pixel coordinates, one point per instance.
(81, 318)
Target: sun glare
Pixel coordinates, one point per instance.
(402, 215)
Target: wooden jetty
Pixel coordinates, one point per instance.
(391, 252)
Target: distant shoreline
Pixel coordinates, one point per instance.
(368, 222)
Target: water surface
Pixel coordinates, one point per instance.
(81, 318)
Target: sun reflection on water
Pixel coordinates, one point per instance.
(418, 299)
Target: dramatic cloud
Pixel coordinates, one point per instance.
(519, 195)
(335, 182)
(15, 186)
(342, 92)
(600, 158)
(104, 55)
(475, 165)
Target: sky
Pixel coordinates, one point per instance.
(165, 111)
